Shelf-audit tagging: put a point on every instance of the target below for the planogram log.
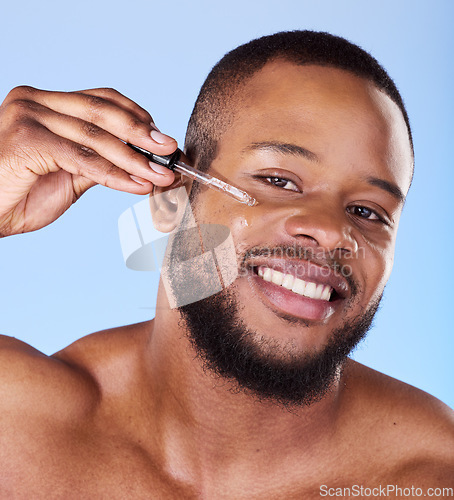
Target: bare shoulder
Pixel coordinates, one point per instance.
(34, 384)
(415, 428)
(66, 384)
(396, 398)
(109, 357)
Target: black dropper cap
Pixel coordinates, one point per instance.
(168, 161)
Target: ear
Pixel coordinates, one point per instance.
(168, 203)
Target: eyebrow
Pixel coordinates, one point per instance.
(387, 186)
(283, 147)
(294, 149)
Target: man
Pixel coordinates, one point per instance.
(247, 393)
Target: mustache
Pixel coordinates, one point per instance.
(318, 257)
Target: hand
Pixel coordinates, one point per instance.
(54, 146)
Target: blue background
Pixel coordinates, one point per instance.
(69, 279)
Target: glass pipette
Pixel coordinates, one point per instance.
(173, 162)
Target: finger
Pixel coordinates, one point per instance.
(81, 185)
(120, 100)
(47, 152)
(105, 144)
(86, 163)
(105, 114)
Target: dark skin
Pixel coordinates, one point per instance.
(130, 413)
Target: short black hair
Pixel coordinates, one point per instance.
(210, 115)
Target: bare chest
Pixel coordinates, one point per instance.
(80, 467)
(80, 463)
(112, 469)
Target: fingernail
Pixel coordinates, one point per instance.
(159, 169)
(139, 180)
(159, 137)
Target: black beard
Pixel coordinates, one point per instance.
(227, 348)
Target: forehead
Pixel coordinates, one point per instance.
(332, 112)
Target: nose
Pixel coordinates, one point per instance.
(320, 225)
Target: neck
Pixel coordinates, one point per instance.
(201, 419)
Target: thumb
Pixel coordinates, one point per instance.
(81, 185)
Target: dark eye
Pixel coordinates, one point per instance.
(364, 213)
(280, 182)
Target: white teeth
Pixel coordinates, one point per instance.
(288, 281)
(268, 274)
(326, 293)
(300, 287)
(277, 277)
(310, 290)
(319, 291)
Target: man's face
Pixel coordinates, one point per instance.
(328, 158)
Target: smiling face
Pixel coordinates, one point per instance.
(327, 156)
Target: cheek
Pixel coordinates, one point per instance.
(376, 266)
(241, 220)
(254, 226)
